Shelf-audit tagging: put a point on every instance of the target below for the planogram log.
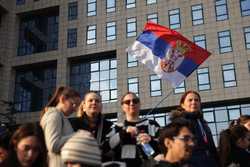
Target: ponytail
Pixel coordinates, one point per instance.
(54, 100)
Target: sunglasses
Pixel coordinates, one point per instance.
(134, 101)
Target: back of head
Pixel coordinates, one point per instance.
(82, 148)
(4, 137)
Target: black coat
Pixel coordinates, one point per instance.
(241, 157)
(100, 131)
(124, 139)
(204, 153)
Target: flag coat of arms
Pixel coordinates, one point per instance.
(169, 54)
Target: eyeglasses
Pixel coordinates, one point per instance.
(186, 138)
(134, 101)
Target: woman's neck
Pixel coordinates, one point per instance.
(132, 118)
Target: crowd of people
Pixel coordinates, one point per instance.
(90, 140)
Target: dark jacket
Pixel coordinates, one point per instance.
(241, 157)
(204, 153)
(153, 163)
(122, 142)
(100, 131)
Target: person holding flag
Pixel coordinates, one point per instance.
(204, 152)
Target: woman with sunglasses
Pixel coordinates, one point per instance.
(233, 145)
(57, 128)
(204, 152)
(134, 140)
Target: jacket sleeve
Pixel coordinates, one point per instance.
(53, 131)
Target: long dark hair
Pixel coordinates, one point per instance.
(67, 92)
(26, 130)
(227, 143)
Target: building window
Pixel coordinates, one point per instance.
(91, 8)
(149, 2)
(221, 10)
(247, 37)
(111, 31)
(245, 7)
(203, 79)
(91, 34)
(153, 17)
(218, 118)
(155, 85)
(229, 76)
(110, 6)
(20, 2)
(131, 27)
(181, 88)
(174, 19)
(72, 38)
(34, 38)
(100, 75)
(33, 88)
(197, 14)
(225, 44)
(130, 4)
(133, 85)
(249, 66)
(132, 62)
(200, 40)
(72, 10)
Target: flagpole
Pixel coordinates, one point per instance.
(168, 94)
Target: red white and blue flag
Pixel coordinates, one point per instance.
(169, 54)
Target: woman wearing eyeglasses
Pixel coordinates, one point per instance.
(134, 140)
(204, 153)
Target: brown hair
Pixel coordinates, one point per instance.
(183, 97)
(132, 93)
(67, 92)
(79, 113)
(243, 119)
(26, 130)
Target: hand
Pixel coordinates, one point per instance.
(144, 138)
(132, 130)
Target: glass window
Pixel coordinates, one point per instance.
(249, 66)
(72, 38)
(132, 62)
(229, 76)
(247, 37)
(30, 41)
(110, 6)
(91, 8)
(130, 4)
(91, 34)
(197, 14)
(153, 17)
(151, 2)
(111, 31)
(181, 88)
(221, 10)
(131, 27)
(225, 44)
(133, 85)
(200, 40)
(203, 79)
(245, 7)
(72, 10)
(34, 87)
(174, 18)
(155, 85)
(20, 2)
(100, 75)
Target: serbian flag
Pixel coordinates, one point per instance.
(169, 54)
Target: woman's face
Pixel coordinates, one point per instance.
(244, 143)
(191, 103)
(92, 105)
(27, 150)
(71, 105)
(131, 105)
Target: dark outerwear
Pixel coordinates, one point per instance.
(162, 163)
(123, 139)
(241, 156)
(100, 131)
(204, 153)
